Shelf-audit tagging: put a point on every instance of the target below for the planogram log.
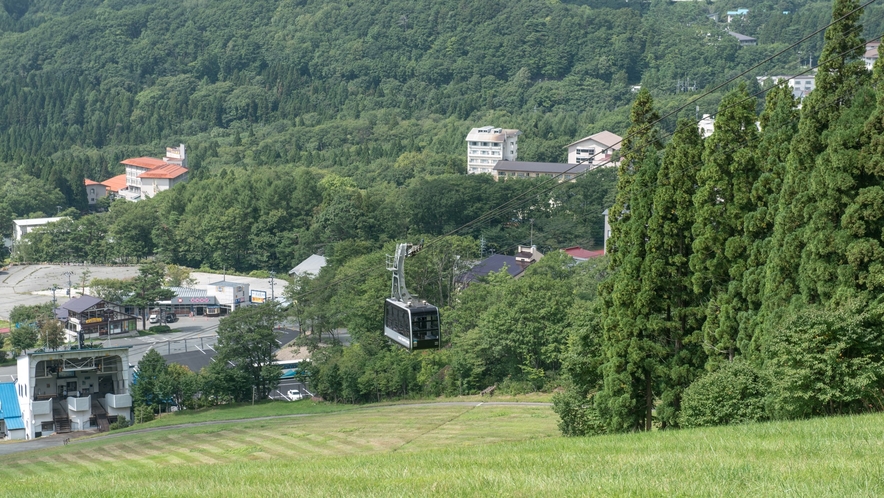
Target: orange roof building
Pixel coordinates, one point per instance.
(168, 171)
(147, 176)
(144, 162)
(115, 183)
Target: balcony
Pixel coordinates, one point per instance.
(83, 404)
(118, 400)
(41, 407)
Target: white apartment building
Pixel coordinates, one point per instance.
(595, 150)
(800, 85)
(487, 145)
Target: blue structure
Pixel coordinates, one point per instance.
(11, 423)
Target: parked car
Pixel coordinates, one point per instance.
(154, 318)
(295, 395)
(171, 317)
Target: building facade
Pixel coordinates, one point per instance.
(20, 228)
(871, 54)
(596, 150)
(147, 176)
(488, 145)
(73, 390)
(706, 125)
(508, 170)
(95, 191)
(229, 295)
(91, 317)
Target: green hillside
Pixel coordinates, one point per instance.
(319, 83)
(460, 450)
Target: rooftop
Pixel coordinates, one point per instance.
(491, 134)
(10, 412)
(188, 292)
(580, 253)
(115, 183)
(226, 283)
(36, 221)
(603, 137)
(493, 264)
(144, 162)
(311, 266)
(740, 37)
(81, 304)
(168, 171)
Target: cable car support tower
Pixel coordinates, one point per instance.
(408, 321)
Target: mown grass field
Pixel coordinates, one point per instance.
(458, 450)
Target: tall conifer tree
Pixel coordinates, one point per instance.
(837, 80)
(779, 122)
(632, 357)
(842, 255)
(730, 169)
(667, 291)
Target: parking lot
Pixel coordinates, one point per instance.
(286, 385)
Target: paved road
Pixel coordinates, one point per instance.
(31, 284)
(58, 439)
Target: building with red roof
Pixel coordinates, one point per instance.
(147, 176)
(94, 191)
(581, 254)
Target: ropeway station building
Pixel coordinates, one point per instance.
(73, 390)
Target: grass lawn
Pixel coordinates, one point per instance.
(241, 411)
(457, 450)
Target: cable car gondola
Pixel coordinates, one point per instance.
(409, 322)
(412, 326)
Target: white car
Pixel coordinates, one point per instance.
(295, 395)
(154, 319)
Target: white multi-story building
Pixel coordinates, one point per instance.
(706, 125)
(871, 54)
(800, 85)
(147, 176)
(487, 145)
(595, 150)
(73, 390)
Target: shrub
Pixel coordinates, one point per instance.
(121, 423)
(733, 394)
(826, 362)
(577, 414)
(143, 414)
(159, 329)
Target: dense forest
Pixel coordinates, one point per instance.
(379, 93)
(745, 266)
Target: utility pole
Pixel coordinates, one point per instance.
(69, 274)
(54, 288)
(532, 233)
(272, 283)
